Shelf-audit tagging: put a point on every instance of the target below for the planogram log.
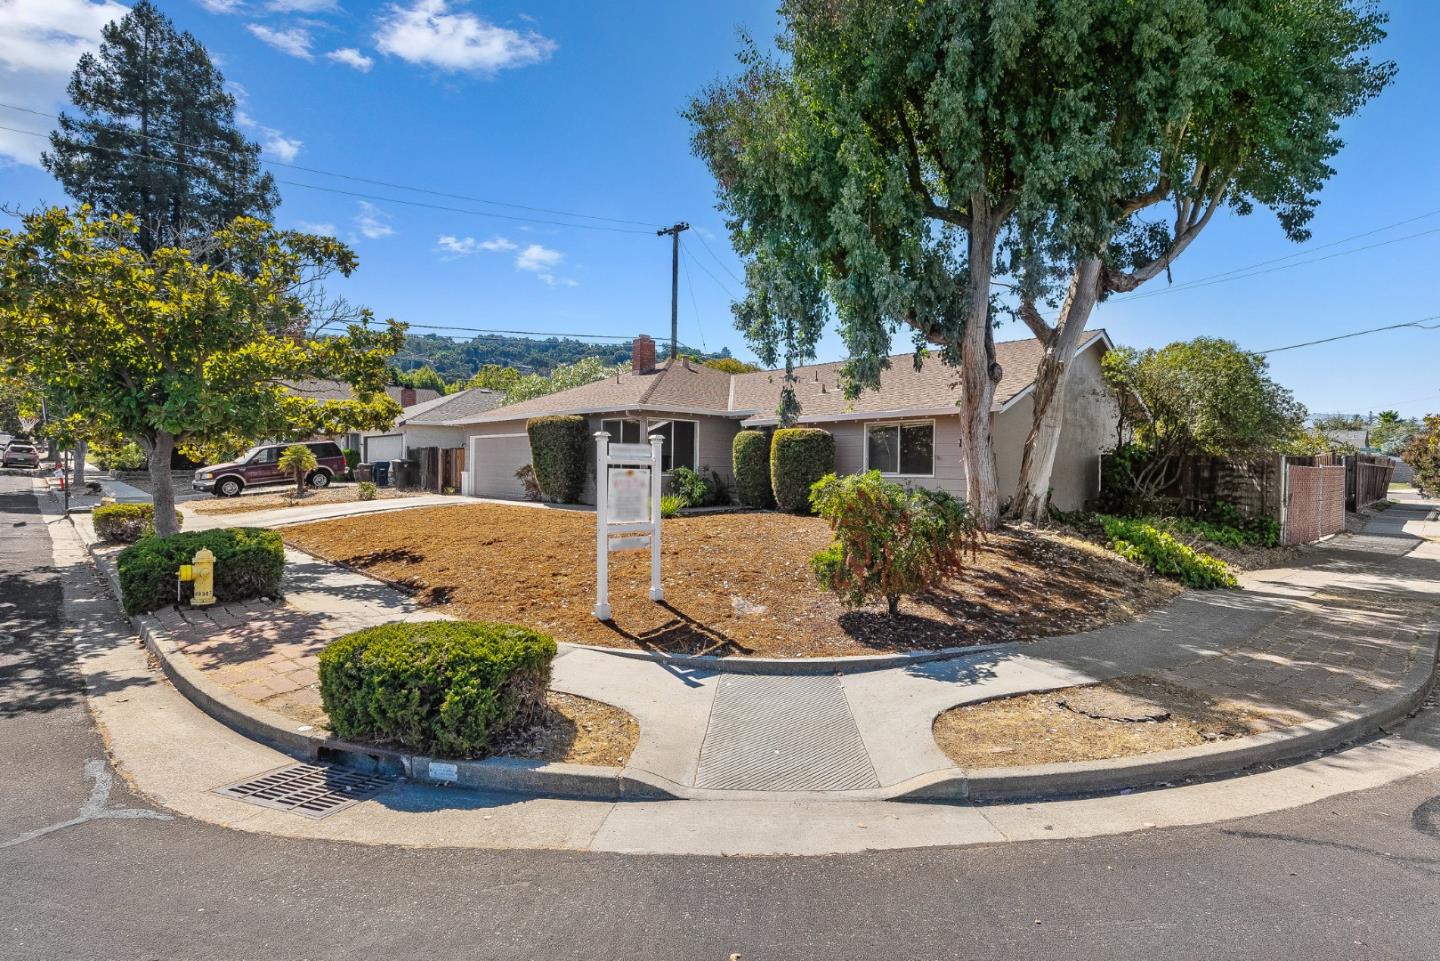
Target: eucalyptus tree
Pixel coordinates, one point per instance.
(869, 169)
(1221, 103)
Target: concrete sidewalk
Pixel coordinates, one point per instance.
(1331, 646)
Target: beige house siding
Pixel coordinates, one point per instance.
(949, 472)
(1088, 428)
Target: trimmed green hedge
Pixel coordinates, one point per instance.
(750, 462)
(560, 451)
(442, 687)
(1144, 544)
(799, 456)
(248, 563)
(126, 523)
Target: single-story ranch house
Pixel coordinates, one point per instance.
(908, 429)
(430, 423)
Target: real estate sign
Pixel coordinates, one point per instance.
(627, 511)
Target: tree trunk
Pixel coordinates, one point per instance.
(299, 482)
(77, 479)
(162, 483)
(979, 372)
(1032, 493)
(893, 602)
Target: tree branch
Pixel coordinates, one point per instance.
(1034, 321)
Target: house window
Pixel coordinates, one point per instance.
(622, 431)
(903, 449)
(679, 447)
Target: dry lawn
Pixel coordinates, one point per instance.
(575, 730)
(286, 498)
(735, 584)
(1037, 729)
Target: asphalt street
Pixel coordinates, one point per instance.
(85, 874)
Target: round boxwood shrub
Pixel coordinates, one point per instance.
(126, 523)
(440, 687)
(248, 563)
(560, 451)
(799, 456)
(750, 462)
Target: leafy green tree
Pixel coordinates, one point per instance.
(1339, 422)
(731, 365)
(564, 377)
(1392, 432)
(1204, 396)
(164, 350)
(494, 377)
(1422, 453)
(1199, 105)
(157, 137)
(422, 378)
(299, 460)
(873, 169)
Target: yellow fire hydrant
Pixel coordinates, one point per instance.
(201, 572)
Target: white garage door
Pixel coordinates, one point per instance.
(384, 447)
(494, 459)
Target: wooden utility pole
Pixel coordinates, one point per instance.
(674, 233)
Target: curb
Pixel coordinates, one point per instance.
(1222, 758)
(508, 775)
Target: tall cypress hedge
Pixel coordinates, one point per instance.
(750, 461)
(559, 451)
(799, 456)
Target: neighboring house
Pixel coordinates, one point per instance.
(908, 429)
(1351, 439)
(429, 424)
(322, 390)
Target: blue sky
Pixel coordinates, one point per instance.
(575, 107)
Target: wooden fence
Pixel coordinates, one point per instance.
(440, 467)
(1367, 479)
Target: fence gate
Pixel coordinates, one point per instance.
(1314, 502)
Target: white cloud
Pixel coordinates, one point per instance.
(372, 222)
(351, 58)
(302, 6)
(294, 40)
(542, 261)
(428, 33)
(310, 227)
(39, 44)
(464, 246)
(222, 6)
(272, 141)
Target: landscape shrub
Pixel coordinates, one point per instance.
(750, 463)
(1144, 544)
(702, 488)
(889, 541)
(442, 687)
(670, 505)
(526, 476)
(799, 456)
(365, 491)
(298, 460)
(248, 563)
(560, 452)
(352, 457)
(124, 456)
(126, 523)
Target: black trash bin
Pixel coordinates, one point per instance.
(382, 473)
(364, 472)
(405, 474)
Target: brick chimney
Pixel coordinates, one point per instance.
(642, 355)
(407, 396)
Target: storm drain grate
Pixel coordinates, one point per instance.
(307, 789)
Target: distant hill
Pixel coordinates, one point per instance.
(460, 359)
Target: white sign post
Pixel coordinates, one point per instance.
(627, 503)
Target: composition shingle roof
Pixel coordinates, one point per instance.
(450, 407)
(694, 388)
(339, 390)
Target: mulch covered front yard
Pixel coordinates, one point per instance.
(735, 584)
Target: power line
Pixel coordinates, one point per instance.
(383, 183)
(518, 333)
(701, 237)
(711, 274)
(1418, 324)
(694, 304)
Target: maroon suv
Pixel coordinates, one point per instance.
(259, 466)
